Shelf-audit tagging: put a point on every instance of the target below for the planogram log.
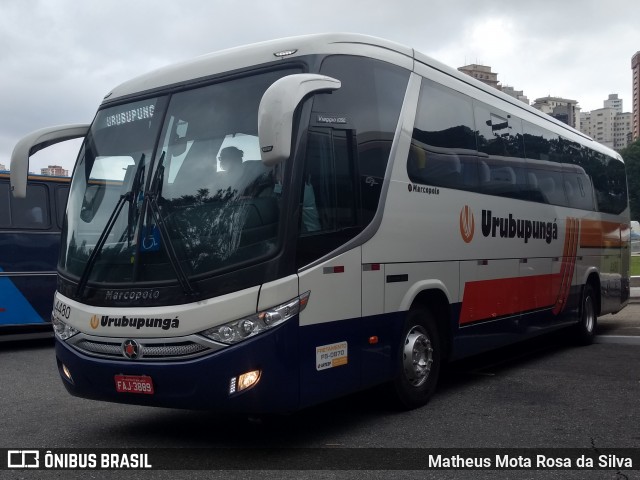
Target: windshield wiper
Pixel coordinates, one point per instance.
(151, 199)
(129, 196)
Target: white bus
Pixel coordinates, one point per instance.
(272, 226)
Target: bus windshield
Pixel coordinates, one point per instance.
(172, 188)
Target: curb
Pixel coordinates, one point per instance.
(617, 339)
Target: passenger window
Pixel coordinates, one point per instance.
(544, 168)
(5, 217)
(577, 187)
(61, 195)
(500, 149)
(609, 182)
(33, 210)
(443, 147)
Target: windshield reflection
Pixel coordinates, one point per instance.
(199, 202)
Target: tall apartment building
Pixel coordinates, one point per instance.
(609, 125)
(563, 109)
(2, 167)
(482, 73)
(485, 75)
(635, 69)
(54, 170)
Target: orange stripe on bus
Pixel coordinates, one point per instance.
(568, 264)
(487, 299)
(600, 234)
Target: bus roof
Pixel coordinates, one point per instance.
(256, 54)
(195, 70)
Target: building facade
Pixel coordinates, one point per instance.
(562, 109)
(485, 75)
(609, 125)
(635, 71)
(482, 73)
(519, 94)
(54, 170)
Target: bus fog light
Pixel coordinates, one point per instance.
(248, 380)
(244, 381)
(67, 373)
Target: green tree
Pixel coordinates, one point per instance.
(631, 156)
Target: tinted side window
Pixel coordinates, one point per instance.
(61, 195)
(5, 217)
(30, 212)
(33, 210)
(443, 147)
(544, 165)
(370, 99)
(609, 182)
(500, 147)
(346, 161)
(577, 186)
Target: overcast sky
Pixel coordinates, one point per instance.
(59, 58)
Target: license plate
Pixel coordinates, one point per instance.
(134, 384)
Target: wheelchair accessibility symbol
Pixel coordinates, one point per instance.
(150, 240)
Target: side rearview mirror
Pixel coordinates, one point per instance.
(34, 142)
(276, 110)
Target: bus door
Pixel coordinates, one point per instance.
(330, 217)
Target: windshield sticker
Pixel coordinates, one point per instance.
(330, 356)
(132, 115)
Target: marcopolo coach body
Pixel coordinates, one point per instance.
(275, 225)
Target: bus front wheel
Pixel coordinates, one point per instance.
(418, 362)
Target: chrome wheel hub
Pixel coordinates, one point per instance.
(417, 356)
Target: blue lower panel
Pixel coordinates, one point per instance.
(201, 383)
(369, 362)
(495, 333)
(26, 300)
(287, 358)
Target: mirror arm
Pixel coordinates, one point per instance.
(34, 142)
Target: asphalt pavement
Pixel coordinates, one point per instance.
(624, 326)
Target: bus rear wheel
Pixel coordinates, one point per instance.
(586, 328)
(419, 358)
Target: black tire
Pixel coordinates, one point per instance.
(586, 329)
(418, 360)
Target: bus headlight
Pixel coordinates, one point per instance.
(248, 327)
(61, 329)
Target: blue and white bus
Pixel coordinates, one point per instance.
(29, 243)
(272, 226)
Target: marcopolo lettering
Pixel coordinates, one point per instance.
(132, 295)
(509, 227)
(424, 189)
(138, 322)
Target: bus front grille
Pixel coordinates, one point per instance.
(147, 349)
